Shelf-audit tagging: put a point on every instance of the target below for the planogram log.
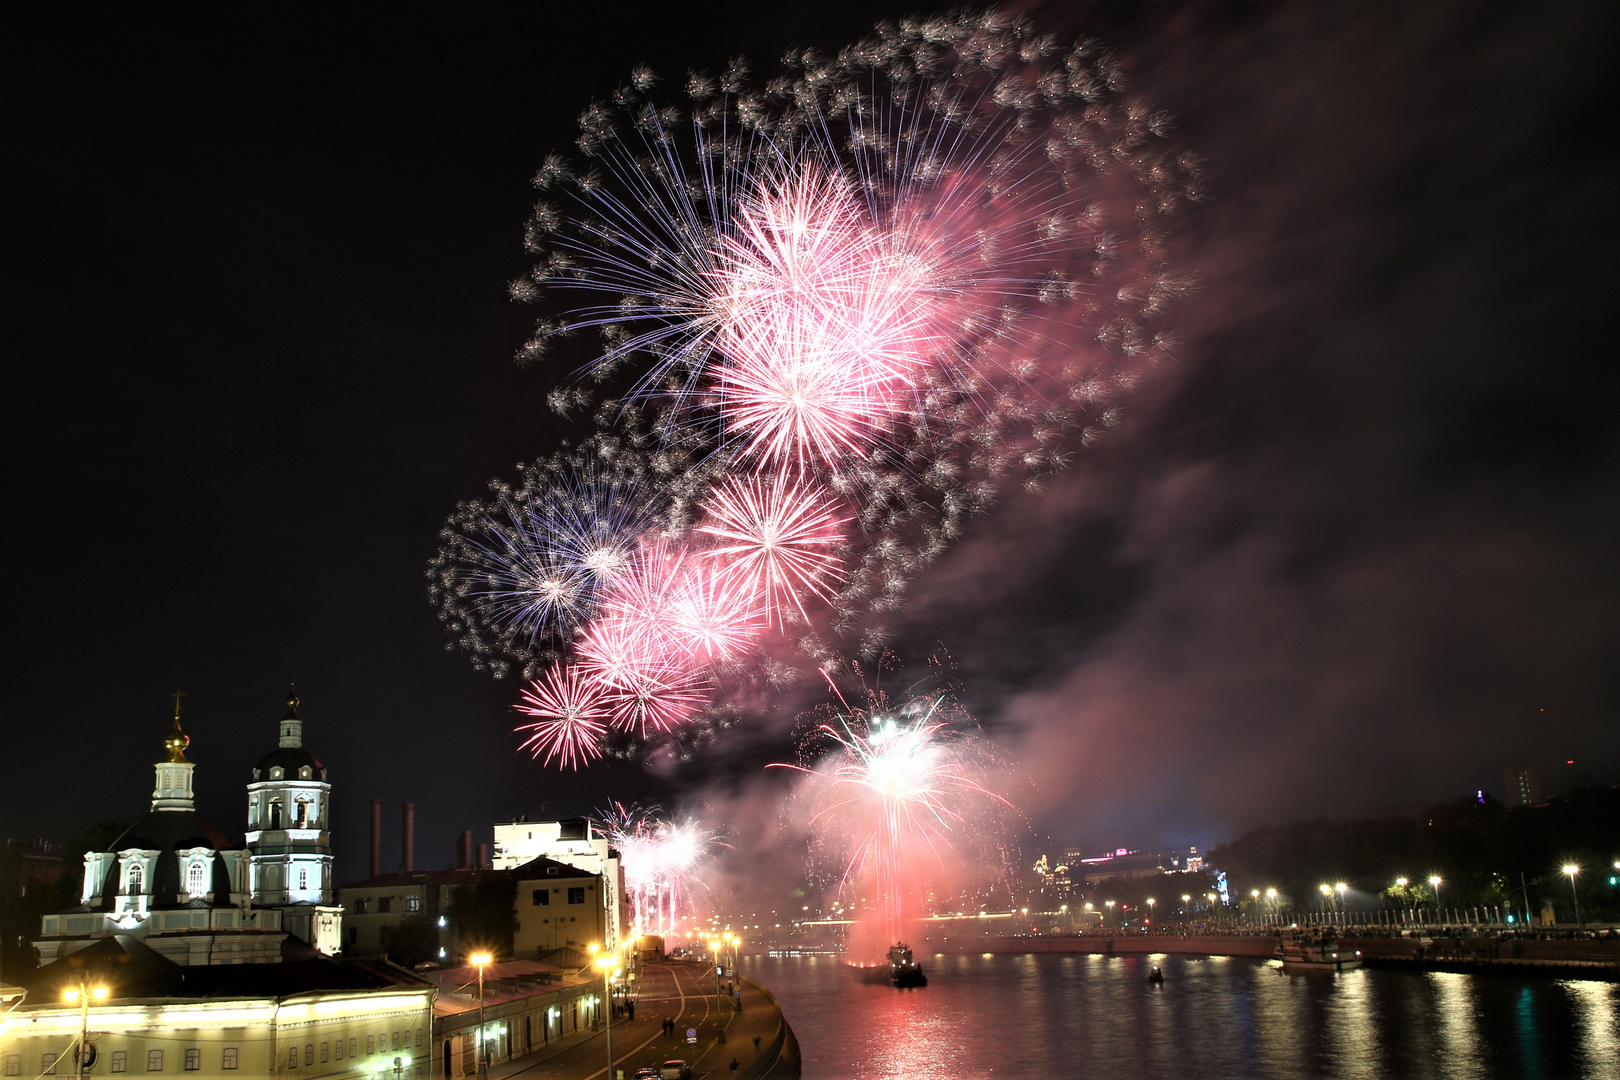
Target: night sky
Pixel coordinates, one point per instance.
(1358, 547)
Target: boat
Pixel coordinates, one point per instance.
(901, 971)
(1307, 952)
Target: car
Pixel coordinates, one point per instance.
(675, 1070)
(648, 1073)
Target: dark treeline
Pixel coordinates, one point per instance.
(1478, 849)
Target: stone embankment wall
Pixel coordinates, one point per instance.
(1114, 945)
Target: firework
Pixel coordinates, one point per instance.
(569, 717)
(840, 312)
(664, 863)
(898, 803)
(778, 538)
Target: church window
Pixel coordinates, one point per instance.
(303, 877)
(196, 879)
(135, 875)
(301, 819)
(228, 1058)
(275, 773)
(154, 1061)
(193, 1059)
(120, 1061)
(304, 772)
(275, 814)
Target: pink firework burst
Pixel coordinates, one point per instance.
(714, 615)
(570, 716)
(777, 536)
(825, 321)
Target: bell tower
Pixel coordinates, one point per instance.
(289, 839)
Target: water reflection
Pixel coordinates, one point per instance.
(1090, 1017)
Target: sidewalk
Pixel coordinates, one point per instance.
(685, 992)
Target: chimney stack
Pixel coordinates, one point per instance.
(483, 856)
(376, 837)
(407, 841)
(464, 850)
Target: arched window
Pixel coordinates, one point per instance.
(275, 815)
(196, 879)
(303, 877)
(134, 879)
(301, 818)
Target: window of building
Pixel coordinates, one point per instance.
(384, 904)
(292, 1057)
(154, 1061)
(303, 877)
(47, 1064)
(196, 879)
(413, 903)
(352, 1045)
(193, 1059)
(576, 896)
(396, 1040)
(419, 1037)
(382, 935)
(542, 897)
(120, 1061)
(361, 903)
(325, 1051)
(309, 1053)
(301, 817)
(135, 877)
(337, 1050)
(13, 1064)
(228, 1058)
(371, 1045)
(275, 815)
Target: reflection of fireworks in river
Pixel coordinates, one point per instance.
(840, 312)
(899, 806)
(664, 861)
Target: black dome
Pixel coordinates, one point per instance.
(291, 759)
(168, 831)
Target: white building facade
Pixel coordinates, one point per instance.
(576, 842)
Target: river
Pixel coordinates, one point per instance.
(1092, 1016)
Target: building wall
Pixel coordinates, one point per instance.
(557, 912)
(311, 1036)
(515, 1028)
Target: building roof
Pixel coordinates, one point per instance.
(290, 758)
(509, 981)
(542, 867)
(132, 970)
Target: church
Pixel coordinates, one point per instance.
(178, 885)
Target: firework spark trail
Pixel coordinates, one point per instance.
(569, 714)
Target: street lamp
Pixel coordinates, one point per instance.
(1434, 883)
(1109, 904)
(719, 1027)
(480, 960)
(82, 994)
(609, 964)
(1570, 869)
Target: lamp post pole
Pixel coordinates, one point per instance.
(479, 961)
(608, 964)
(1434, 881)
(1571, 870)
(83, 995)
(719, 1025)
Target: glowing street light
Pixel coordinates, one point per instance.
(83, 993)
(1434, 883)
(480, 960)
(1271, 894)
(1401, 882)
(1570, 870)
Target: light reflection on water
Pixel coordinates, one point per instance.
(1090, 1016)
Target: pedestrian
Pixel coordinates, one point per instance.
(756, 1045)
(733, 1066)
